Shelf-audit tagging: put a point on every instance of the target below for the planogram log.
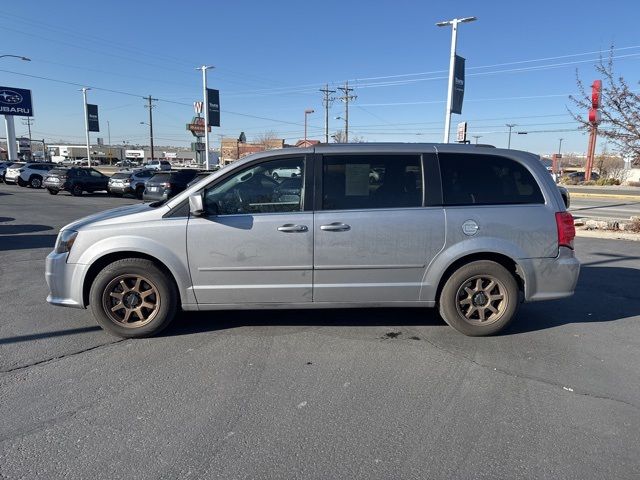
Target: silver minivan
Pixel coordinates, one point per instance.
(471, 230)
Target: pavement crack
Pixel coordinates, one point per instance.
(575, 390)
(59, 357)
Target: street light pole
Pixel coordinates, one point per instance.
(306, 112)
(510, 125)
(204, 69)
(452, 61)
(12, 151)
(477, 137)
(86, 124)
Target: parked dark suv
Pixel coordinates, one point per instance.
(75, 180)
(167, 184)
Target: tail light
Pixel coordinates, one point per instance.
(566, 229)
(166, 185)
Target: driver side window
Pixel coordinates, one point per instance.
(270, 187)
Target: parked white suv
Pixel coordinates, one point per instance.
(30, 173)
(158, 165)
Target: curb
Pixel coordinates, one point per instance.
(604, 195)
(608, 235)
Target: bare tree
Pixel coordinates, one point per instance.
(266, 139)
(620, 109)
(340, 137)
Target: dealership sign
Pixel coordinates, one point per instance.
(197, 126)
(213, 105)
(458, 85)
(92, 118)
(15, 101)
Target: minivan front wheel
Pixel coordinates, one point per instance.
(480, 298)
(132, 298)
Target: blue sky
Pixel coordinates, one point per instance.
(272, 57)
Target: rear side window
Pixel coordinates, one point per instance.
(469, 179)
(371, 181)
(161, 177)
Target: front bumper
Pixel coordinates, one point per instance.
(120, 189)
(551, 278)
(11, 178)
(64, 281)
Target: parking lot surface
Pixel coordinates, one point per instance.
(314, 394)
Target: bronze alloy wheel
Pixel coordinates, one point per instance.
(482, 299)
(131, 301)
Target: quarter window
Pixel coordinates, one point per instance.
(269, 187)
(469, 179)
(371, 181)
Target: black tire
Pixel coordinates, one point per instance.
(35, 181)
(164, 297)
(475, 289)
(139, 192)
(52, 191)
(21, 182)
(76, 190)
(275, 176)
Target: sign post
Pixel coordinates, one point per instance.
(86, 124)
(594, 120)
(14, 101)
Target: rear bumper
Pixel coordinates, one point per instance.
(551, 278)
(64, 281)
(120, 190)
(155, 196)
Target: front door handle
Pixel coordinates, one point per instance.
(335, 227)
(291, 228)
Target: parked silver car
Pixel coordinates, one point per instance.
(469, 229)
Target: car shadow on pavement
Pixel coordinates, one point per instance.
(6, 219)
(25, 242)
(18, 229)
(195, 322)
(603, 294)
(56, 333)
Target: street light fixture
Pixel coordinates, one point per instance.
(452, 60)
(12, 153)
(306, 113)
(17, 56)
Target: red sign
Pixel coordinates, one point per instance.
(197, 126)
(594, 115)
(596, 93)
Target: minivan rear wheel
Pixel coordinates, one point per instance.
(133, 298)
(480, 298)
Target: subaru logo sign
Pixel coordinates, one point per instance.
(9, 97)
(15, 101)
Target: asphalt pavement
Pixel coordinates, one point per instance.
(604, 208)
(387, 393)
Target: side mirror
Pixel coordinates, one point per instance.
(196, 207)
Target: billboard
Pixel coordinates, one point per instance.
(92, 118)
(213, 105)
(15, 101)
(458, 85)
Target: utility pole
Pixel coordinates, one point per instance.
(510, 125)
(326, 102)
(109, 140)
(28, 124)
(150, 106)
(346, 98)
(476, 137)
(86, 124)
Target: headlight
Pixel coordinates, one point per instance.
(65, 241)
